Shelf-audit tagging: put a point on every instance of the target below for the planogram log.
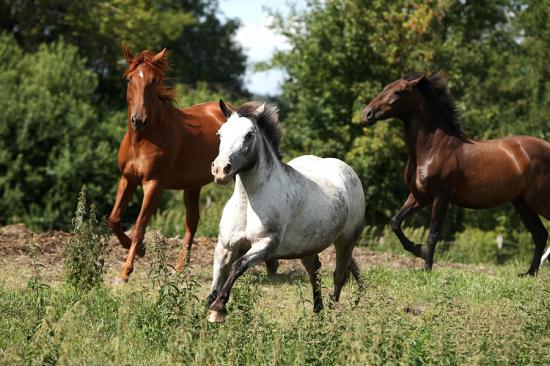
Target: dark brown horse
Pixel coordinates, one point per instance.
(445, 167)
(164, 148)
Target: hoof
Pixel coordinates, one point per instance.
(272, 265)
(216, 316)
(140, 252)
(120, 281)
(527, 274)
(318, 308)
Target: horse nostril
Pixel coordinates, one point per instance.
(227, 169)
(133, 119)
(369, 114)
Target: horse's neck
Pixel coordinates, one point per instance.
(423, 137)
(263, 175)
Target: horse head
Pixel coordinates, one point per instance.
(391, 102)
(238, 143)
(145, 76)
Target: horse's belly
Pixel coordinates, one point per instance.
(315, 228)
(300, 246)
(487, 192)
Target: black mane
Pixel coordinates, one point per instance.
(434, 88)
(267, 121)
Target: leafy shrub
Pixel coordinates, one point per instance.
(53, 135)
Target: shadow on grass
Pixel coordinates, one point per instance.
(284, 277)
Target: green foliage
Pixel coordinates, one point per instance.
(36, 286)
(85, 252)
(203, 45)
(52, 139)
(175, 289)
(343, 52)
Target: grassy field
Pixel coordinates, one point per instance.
(474, 315)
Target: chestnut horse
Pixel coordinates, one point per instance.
(445, 167)
(164, 148)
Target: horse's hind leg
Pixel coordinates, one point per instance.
(312, 265)
(344, 250)
(532, 222)
(191, 202)
(272, 265)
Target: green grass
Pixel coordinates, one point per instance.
(449, 316)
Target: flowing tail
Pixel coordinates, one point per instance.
(356, 272)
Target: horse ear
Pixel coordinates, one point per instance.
(416, 81)
(259, 110)
(127, 55)
(225, 109)
(159, 56)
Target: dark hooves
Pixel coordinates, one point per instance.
(272, 265)
(318, 308)
(141, 250)
(527, 274)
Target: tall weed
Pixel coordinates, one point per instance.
(85, 252)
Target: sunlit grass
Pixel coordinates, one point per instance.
(406, 316)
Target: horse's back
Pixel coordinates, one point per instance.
(340, 180)
(508, 167)
(205, 114)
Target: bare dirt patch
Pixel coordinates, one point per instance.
(14, 241)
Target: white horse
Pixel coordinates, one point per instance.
(278, 210)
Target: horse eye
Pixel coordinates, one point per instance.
(249, 135)
(399, 92)
(128, 79)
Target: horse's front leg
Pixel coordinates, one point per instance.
(223, 259)
(259, 252)
(410, 206)
(123, 196)
(151, 192)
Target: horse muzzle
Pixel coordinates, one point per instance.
(222, 172)
(138, 124)
(369, 116)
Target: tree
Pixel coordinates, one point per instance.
(203, 46)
